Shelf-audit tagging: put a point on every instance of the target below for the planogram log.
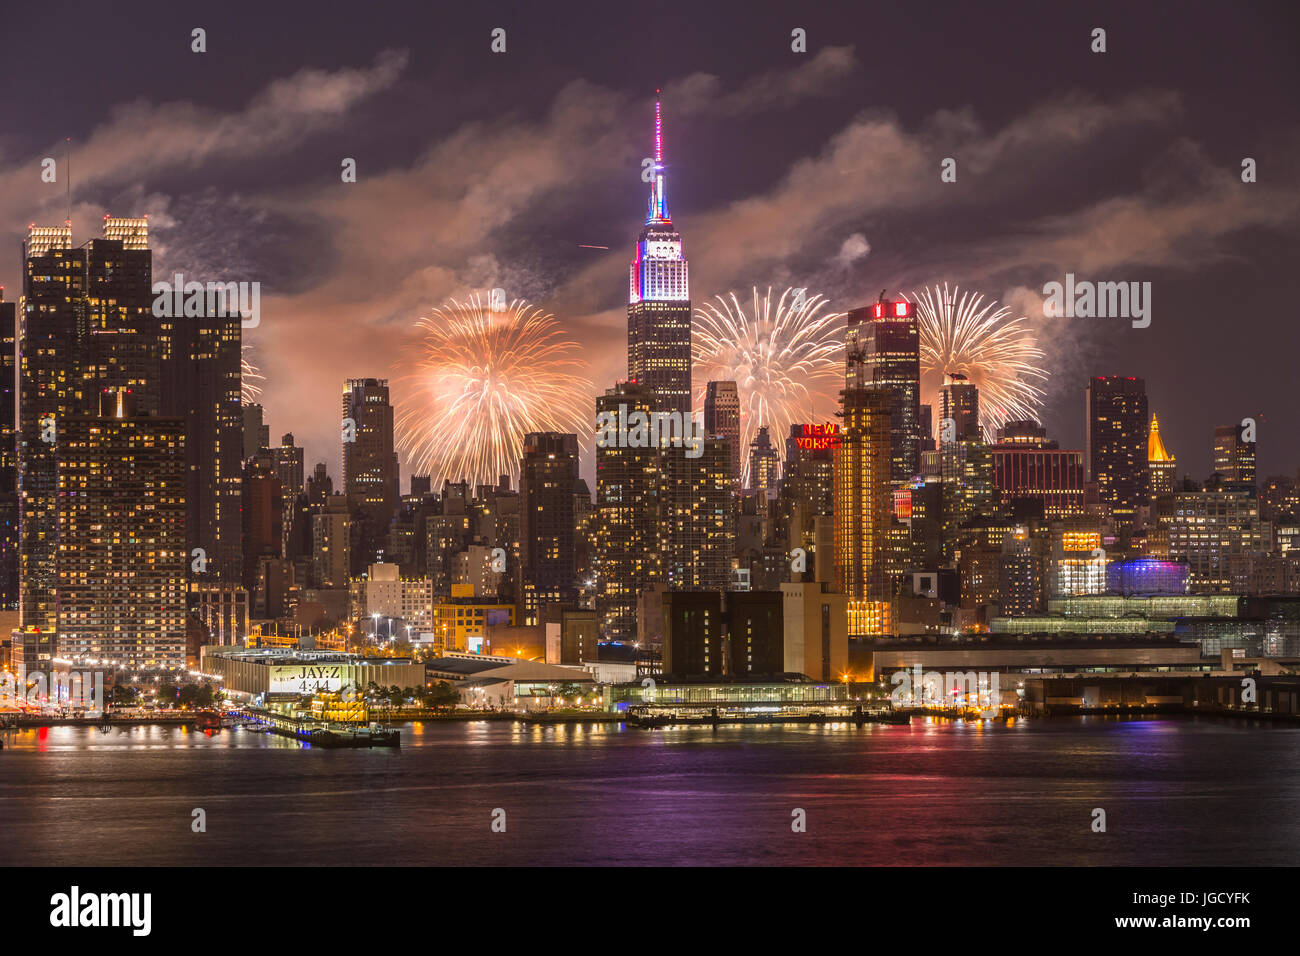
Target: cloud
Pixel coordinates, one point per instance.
(702, 93)
(853, 249)
(347, 268)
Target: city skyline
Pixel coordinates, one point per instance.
(518, 201)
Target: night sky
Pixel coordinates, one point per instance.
(478, 170)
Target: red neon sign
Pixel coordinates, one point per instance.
(818, 437)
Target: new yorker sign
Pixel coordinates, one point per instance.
(817, 437)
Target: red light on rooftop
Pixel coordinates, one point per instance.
(902, 309)
(879, 311)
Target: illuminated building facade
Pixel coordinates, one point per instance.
(51, 341)
(1234, 456)
(548, 475)
(807, 482)
(1078, 562)
(722, 419)
(1027, 465)
(696, 519)
(863, 510)
(1115, 452)
(1146, 576)
(1216, 532)
(370, 477)
(659, 301)
(1162, 467)
(9, 541)
(627, 557)
(883, 351)
(764, 465)
(201, 370)
(121, 567)
(959, 410)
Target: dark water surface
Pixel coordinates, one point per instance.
(1176, 791)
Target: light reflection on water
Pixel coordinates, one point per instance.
(1176, 792)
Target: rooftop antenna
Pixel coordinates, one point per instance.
(69, 178)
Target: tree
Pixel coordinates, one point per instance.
(440, 695)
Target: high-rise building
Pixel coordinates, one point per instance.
(9, 542)
(1162, 467)
(548, 474)
(1116, 437)
(1216, 531)
(288, 460)
(50, 358)
(263, 519)
(200, 372)
(627, 557)
(863, 510)
(370, 478)
(1234, 455)
(722, 419)
(883, 350)
(659, 302)
(696, 521)
(331, 543)
(959, 409)
(764, 465)
(807, 484)
(1028, 466)
(257, 434)
(126, 342)
(121, 565)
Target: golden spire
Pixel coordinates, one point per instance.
(1155, 447)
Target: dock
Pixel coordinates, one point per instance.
(322, 733)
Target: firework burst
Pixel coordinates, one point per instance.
(962, 334)
(249, 376)
(785, 358)
(485, 379)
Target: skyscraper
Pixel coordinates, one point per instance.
(722, 419)
(696, 519)
(51, 342)
(9, 545)
(370, 478)
(863, 509)
(1162, 467)
(883, 349)
(1116, 442)
(121, 564)
(126, 341)
(548, 474)
(257, 434)
(959, 409)
(627, 556)
(764, 465)
(201, 371)
(1234, 456)
(659, 301)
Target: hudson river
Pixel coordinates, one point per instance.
(1175, 791)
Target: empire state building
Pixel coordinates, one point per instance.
(659, 302)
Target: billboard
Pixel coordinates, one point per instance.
(305, 678)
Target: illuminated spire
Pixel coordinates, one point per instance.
(658, 211)
(1156, 447)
